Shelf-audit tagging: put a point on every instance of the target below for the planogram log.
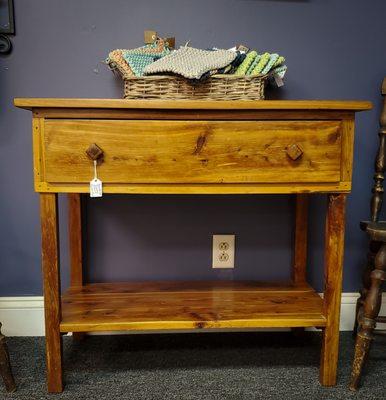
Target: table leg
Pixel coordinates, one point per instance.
(75, 244)
(5, 365)
(300, 251)
(51, 288)
(299, 264)
(334, 248)
(75, 238)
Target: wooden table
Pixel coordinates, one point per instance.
(192, 147)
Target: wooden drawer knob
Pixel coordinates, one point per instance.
(294, 151)
(94, 152)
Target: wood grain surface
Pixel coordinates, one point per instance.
(189, 305)
(51, 290)
(75, 238)
(333, 270)
(75, 241)
(193, 147)
(301, 238)
(192, 151)
(30, 103)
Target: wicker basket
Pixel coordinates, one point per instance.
(217, 87)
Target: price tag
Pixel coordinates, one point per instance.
(96, 188)
(96, 184)
(242, 48)
(279, 81)
(279, 76)
(149, 37)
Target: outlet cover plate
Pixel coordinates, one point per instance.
(223, 254)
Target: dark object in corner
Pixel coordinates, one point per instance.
(369, 302)
(8, 29)
(5, 366)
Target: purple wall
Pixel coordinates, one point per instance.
(333, 50)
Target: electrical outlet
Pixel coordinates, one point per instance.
(223, 251)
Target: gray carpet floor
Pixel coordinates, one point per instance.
(193, 366)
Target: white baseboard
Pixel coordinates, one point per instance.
(24, 316)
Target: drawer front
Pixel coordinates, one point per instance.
(193, 151)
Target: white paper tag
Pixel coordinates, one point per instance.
(96, 188)
(279, 80)
(95, 184)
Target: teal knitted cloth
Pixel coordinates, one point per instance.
(139, 58)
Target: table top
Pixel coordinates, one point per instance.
(348, 105)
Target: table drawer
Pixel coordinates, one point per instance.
(192, 151)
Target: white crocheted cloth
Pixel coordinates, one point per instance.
(191, 63)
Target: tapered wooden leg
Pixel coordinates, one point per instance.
(362, 348)
(5, 365)
(371, 307)
(366, 282)
(75, 238)
(51, 289)
(334, 244)
(300, 251)
(75, 244)
(299, 264)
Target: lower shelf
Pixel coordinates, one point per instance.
(189, 305)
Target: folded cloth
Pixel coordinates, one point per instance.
(244, 66)
(138, 61)
(116, 60)
(132, 62)
(236, 62)
(279, 61)
(191, 63)
(280, 71)
(139, 58)
(253, 65)
(261, 64)
(229, 69)
(271, 62)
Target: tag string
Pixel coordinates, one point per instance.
(95, 170)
